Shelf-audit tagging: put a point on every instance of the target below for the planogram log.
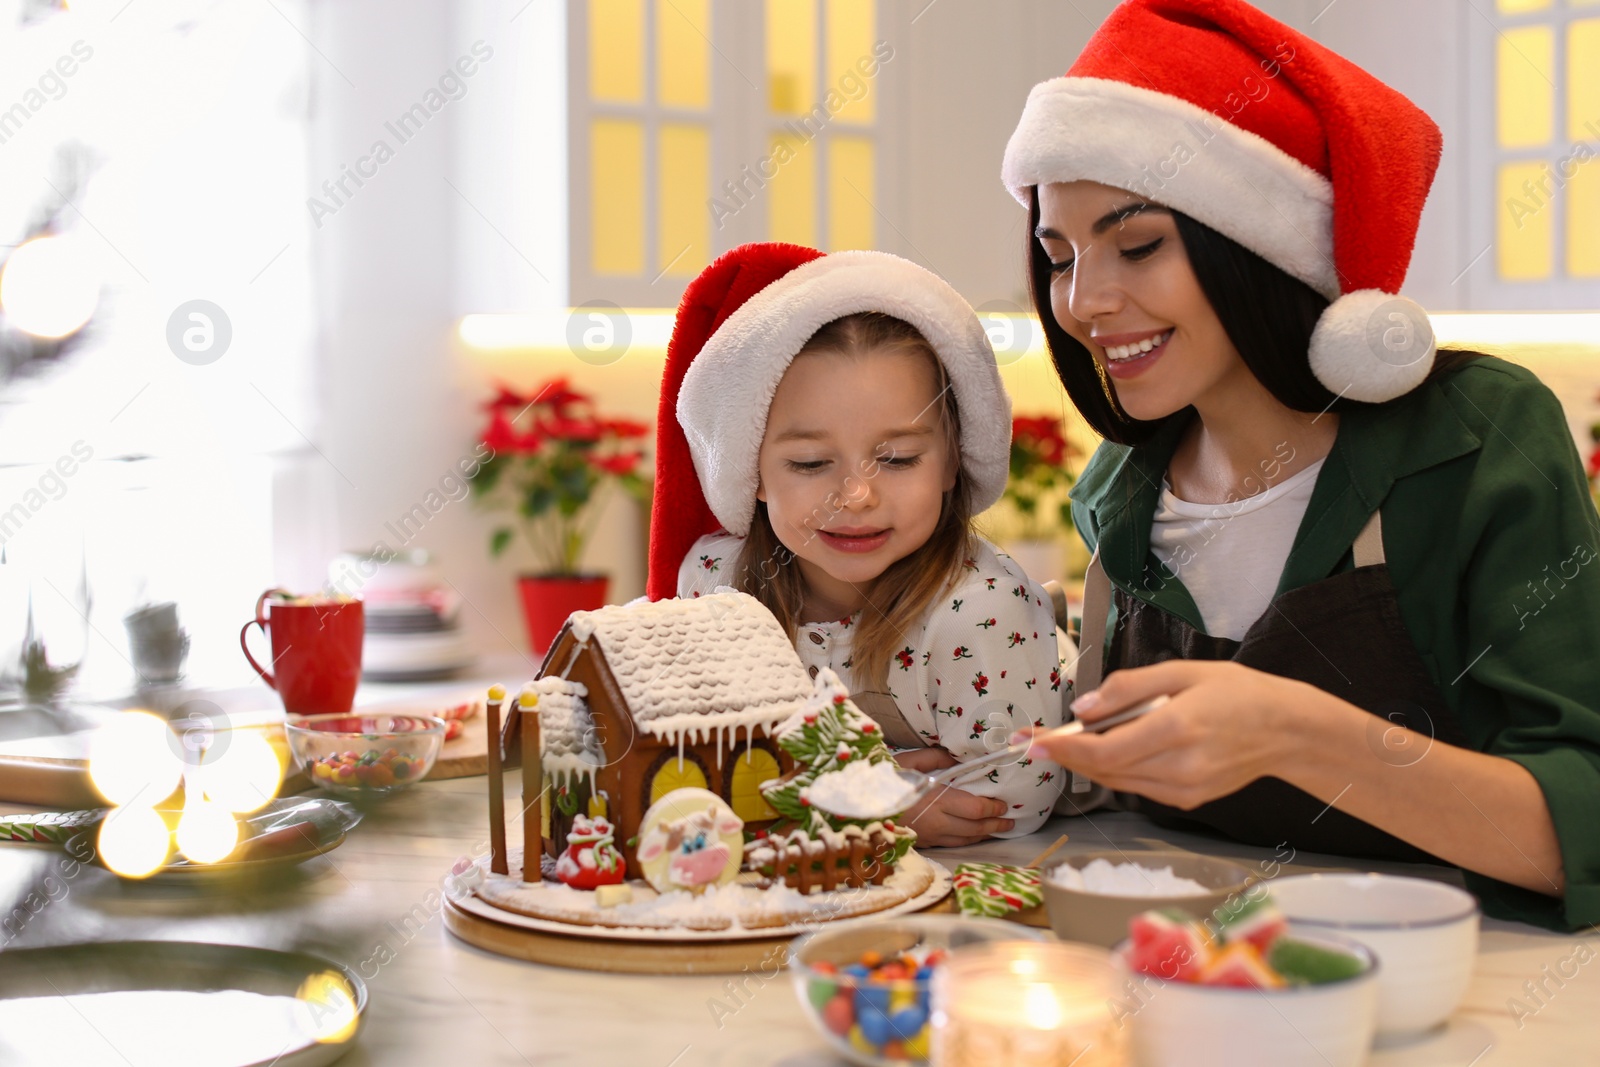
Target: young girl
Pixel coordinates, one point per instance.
(845, 420)
(1364, 576)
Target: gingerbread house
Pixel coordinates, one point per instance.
(640, 699)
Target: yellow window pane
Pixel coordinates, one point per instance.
(683, 246)
(750, 768)
(1583, 220)
(1524, 226)
(792, 192)
(1524, 59)
(616, 204)
(616, 51)
(1517, 7)
(850, 193)
(683, 53)
(791, 56)
(1583, 80)
(676, 775)
(851, 64)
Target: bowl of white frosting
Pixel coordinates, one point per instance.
(1090, 897)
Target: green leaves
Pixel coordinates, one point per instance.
(499, 540)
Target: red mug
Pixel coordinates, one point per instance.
(316, 651)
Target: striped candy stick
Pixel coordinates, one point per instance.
(49, 828)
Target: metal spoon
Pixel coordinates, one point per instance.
(919, 785)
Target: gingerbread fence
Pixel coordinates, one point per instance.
(852, 857)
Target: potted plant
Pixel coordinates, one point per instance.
(553, 461)
(1036, 495)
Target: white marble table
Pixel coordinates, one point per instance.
(436, 1000)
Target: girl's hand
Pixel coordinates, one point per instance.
(1225, 726)
(950, 817)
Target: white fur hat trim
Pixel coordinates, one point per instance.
(728, 389)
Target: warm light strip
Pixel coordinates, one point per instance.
(549, 329)
(652, 327)
(1517, 327)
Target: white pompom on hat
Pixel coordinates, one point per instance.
(1213, 109)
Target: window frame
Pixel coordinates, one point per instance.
(1485, 157)
(740, 125)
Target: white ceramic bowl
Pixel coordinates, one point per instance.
(1181, 1024)
(1424, 932)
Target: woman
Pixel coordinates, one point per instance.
(1363, 573)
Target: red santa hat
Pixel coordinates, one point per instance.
(1213, 109)
(740, 324)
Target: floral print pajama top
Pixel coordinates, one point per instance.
(983, 663)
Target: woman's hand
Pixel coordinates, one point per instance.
(1225, 726)
(950, 817)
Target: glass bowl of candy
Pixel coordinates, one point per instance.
(365, 755)
(865, 984)
(1245, 978)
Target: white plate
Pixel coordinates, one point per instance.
(173, 1002)
(481, 908)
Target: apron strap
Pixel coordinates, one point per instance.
(1092, 640)
(1368, 547)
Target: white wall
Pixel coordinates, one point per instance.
(468, 215)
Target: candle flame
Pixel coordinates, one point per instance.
(1042, 1006)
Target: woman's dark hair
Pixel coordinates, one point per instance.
(1268, 314)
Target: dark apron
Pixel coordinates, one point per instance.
(1342, 634)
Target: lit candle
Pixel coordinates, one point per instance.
(1046, 1005)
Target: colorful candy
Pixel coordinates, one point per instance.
(1243, 946)
(1252, 918)
(371, 769)
(1168, 944)
(879, 1004)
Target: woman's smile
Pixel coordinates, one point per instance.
(1129, 355)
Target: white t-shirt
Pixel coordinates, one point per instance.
(1231, 555)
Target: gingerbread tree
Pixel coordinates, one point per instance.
(827, 734)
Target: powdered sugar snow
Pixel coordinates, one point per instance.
(861, 790)
(1125, 880)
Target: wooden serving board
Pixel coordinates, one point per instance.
(616, 957)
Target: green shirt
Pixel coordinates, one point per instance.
(1491, 538)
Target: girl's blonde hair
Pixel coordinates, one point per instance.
(903, 593)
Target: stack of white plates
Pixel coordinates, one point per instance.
(413, 619)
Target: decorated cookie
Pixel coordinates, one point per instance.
(591, 859)
(690, 839)
(994, 889)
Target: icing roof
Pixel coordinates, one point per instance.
(689, 665)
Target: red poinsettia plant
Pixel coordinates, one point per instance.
(1040, 477)
(554, 459)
